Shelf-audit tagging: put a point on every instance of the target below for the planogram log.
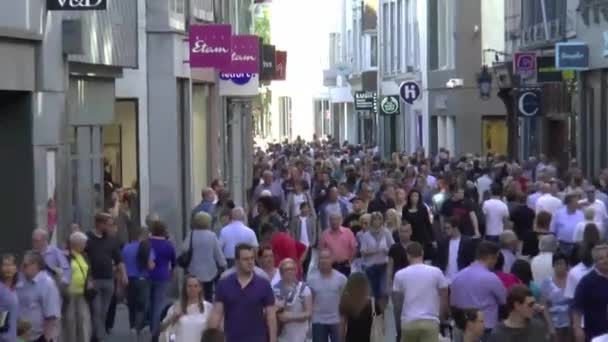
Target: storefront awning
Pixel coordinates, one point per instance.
(340, 95)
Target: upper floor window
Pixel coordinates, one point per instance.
(177, 14)
(441, 34)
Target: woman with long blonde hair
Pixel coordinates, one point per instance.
(392, 220)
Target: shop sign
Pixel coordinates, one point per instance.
(572, 56)
(281, 66)
(245, 57)
(366, 100)
(529, 102)
(390, 105)
(76, 5)
(268, 63)
(546, 71)
(524, 64)
(211, 46)
(409, 91)
(238, 84)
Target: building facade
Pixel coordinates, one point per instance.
(438, 45)
(592, 88)
(58, 72)
(90, 98)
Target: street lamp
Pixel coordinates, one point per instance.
(484, 82)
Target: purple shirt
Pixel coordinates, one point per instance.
(244, 317)
(164, 259)
(477, 287)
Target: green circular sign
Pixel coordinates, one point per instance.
(390, 105)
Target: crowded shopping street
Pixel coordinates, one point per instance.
(304, 171)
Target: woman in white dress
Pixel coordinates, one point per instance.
(185, 325)
(294, 304)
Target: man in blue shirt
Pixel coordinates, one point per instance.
(139, 259)
(39, 300)
(246, 302)
(591, 299)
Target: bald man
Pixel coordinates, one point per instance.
(236, 232)
(54, 258)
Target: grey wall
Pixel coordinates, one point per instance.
(110, 36)
(464, 103)
(21, 19)
(593, 35)
(16, 155)
(19, 73)
(166, 190)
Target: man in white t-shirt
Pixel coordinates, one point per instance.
(425, 297)
(496, 213)
(548, 202)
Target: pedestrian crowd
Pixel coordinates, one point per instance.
(333, 239)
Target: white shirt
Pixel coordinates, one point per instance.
(496, 212)
(599, 209)
(235, 233)
(420, 285)
(190, 326)
(548, 203)
(297, 200)
(575, 275)
(532, 200)
(542, 266)
(452, 268)
(304, 232)
(579, 231)
(483, 184)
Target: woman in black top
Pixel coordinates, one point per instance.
(356, 314)
(417, 214)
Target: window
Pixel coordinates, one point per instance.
(400, 27)
(177, 16)
(441, 34)
(285, 131)
(386, 37)
(372, 51)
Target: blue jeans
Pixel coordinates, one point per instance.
(325, 332)
(376, 274)
(138, 297)
(158, 300)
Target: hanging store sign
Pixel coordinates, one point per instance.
(366, 100)
(76, 5)
(572, 56)
(546, 71)
(281, 66)
(409, 91)
(524, 64)
(245, 56)
(268, 63)
(390, 105)
(529, 102)
(238, 84)
(211, 46)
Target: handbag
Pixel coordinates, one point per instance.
(184, 259)
(377, 333)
